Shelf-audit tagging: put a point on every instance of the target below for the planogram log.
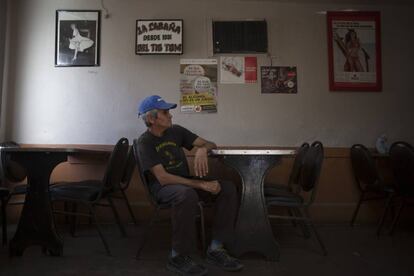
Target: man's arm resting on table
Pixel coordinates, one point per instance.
(201, 143)
(200, 159)
(165, 178)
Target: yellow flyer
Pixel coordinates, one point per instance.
(198, 85)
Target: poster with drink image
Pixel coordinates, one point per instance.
(238, 70)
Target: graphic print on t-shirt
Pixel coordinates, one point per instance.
(169, 152)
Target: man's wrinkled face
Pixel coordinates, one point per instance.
(164, 119)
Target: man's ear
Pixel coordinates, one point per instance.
(151, 118)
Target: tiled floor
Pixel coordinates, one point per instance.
(351, 251)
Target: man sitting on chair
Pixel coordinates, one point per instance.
(161, 153)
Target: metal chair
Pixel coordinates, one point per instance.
(119, 193)
(10, 171)
(90, 193)
(369, 180)
(308, 181)
(4, 196)
(158, 206)
(293, 182)
(402, 163)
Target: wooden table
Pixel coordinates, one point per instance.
(253, 232)
(36, 225)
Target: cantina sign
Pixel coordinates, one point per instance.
(159, 37)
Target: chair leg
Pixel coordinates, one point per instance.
(384, 214)
(129, 207)
(325, 252)
(304, 227)
(4, 220)
(118, 220)
(74, 219)
(397, 218)
(145, 234)
(361, 198)
(292, 214)
(95, 220)
(203, 229)
(66, 209)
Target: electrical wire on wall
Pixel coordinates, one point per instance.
(107, 14)
(271, 58)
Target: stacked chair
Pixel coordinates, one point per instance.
(370, 183)
(4, 195)
(300, 192)
(10, 172)
(91, 193)
(120, 192)
(293, 183)
(402, 163)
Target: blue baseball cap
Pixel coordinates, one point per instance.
(154, 102)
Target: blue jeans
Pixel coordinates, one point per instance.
(184, 203)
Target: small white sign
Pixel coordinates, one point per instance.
(159, 37)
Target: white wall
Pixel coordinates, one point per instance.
(3, 21)
(98, 104)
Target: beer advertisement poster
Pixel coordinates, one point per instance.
(238, 70)
(279, 79)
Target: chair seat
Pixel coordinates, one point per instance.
(381, 188)
(83, 183)
(284, 198)
(274, 189)
(20, 189)
(4, 192)
(75, 192)
(389, 189)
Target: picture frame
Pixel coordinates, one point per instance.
(77, 40)
(354, 51)
(159, 37)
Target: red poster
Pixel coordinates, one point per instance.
(250, 67)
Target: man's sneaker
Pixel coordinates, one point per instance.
(184, 265)
(222, 259)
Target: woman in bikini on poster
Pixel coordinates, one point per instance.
(351, 48)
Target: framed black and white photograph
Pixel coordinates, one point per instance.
(77, 38)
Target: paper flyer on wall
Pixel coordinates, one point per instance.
(238, 70)
(279, 79)
(198, 85)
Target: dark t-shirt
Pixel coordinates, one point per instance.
(166, 150)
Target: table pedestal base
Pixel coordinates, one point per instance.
(36, 225)
(253, 232)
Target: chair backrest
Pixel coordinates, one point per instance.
(9, 169)
(311, 168)
(129, 170)
(364, 168)
(115, 168)
(297, 164)
(143, 176)
(402, 163)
